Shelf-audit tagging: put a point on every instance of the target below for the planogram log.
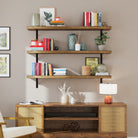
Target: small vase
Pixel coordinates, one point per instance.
(64, 99)
(73, 100)
(101, 47)
(35, 19)
(101, 68)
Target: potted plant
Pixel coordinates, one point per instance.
(101, 40)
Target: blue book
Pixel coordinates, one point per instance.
(35, 68)
(36, 48)
(99, 19)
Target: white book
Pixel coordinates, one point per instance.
(92, 18)
(102, 74)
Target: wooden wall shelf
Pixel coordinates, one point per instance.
(70, 52)
(60, 28)
(67, 77)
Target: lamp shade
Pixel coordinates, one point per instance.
(108, 89)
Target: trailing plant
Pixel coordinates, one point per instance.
(101, 40)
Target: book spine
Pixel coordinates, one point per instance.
(99, 19)
(40, 71)
(92, 18)
(95, 19)
(87, 18)
(49, 44)
(44, 44)
(83, 19)
(35, 68)
(53, 44)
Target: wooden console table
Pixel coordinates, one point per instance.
(94, 120)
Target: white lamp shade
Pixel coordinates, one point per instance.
(108, 89)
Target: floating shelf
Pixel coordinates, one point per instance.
(71, 118)
(50, 28)
(70, 52)
(67, 77)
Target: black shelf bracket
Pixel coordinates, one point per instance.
(101, 55)
(37, 58)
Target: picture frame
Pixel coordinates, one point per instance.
(93, 62)
(46, 16)
(5, 34)
(4, 65)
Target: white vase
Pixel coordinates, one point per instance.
(101, 47)
(73, 100)
(64, 99)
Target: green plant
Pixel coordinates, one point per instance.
(48, 16)
(101, 40)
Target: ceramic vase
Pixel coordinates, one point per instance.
(101, 68)
(64, 99)
(72, 39)
(101, 47)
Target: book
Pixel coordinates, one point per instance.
(87, 18)
(57, 22)
(83, 18)
(99, 19)
(95, 19)
(102, 74)
(36, 48)
(92, 18)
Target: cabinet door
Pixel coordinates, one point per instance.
(113, 119)
(36, 112)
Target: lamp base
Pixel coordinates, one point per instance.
(108, 99)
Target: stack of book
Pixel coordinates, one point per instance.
(102, 74)
(59, 71)
(36, 45)
(39, 69)
(48, 44)
(92, 19)
(57, 23)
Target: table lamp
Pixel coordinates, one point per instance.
(108, 89)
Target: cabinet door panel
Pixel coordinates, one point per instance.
(36, 112)
(113, 119)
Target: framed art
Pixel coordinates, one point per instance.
(46, 16)
(4, 38)
(93, 62)
(4, 65)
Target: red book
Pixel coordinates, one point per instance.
(83, 19)
(40, 73)
(44, 43)
(87, 18)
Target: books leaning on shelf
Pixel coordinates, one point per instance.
(102, 74)
(48, 44)
(92, 19)
(59, 71)
(39, 69)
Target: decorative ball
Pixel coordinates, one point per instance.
(101, 68)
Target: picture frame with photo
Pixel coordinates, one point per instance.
(93, 62)
(4, 65)
(46, 16)
(5, 33)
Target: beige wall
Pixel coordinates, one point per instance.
(122, 63)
